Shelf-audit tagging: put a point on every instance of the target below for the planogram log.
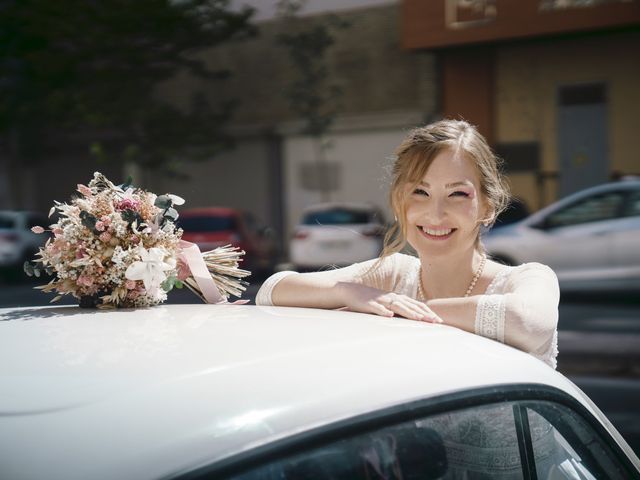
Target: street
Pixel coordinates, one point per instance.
(599, 345)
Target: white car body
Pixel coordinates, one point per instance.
(586, 255)
(153, 393)
(17, 241)
(317, 244)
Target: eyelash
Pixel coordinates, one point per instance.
(419, 191)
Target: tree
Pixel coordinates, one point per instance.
(69, 67)
(312, 94)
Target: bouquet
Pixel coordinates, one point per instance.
(118, 246)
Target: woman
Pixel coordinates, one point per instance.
(446, 185)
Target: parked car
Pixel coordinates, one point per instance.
(246, 392)
(337, 234)
(591, 238)
(17, 242)
(218, 226)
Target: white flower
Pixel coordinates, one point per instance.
(150, 269)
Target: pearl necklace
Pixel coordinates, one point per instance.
(474, 280)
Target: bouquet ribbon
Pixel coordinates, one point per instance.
(193, 258)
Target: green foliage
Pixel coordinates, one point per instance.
(71, 66)
(312, 95)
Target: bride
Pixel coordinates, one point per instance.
(446, 185)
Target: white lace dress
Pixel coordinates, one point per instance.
(519, 307)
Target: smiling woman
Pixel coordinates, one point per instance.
(446, 184)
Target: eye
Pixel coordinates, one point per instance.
(459, 193)
(420, 191)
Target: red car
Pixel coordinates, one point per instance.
(213, 227)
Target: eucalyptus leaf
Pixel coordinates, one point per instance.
(171, 214)
(163, 201)
(88, 220)
(28, 268)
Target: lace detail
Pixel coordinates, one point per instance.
(490, 315)
(263, 296)
(499, 281)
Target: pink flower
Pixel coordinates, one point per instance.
(84, 190)
(135, 240)
(106, 219)
(100, 226)
(105, 236)
(85, 281)
(127, 204)
(57, 231)
(130, 284)
(80, 253)
(37, 229)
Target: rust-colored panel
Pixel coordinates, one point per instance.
(468, 87)
(430, 24)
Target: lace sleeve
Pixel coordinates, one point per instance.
(263, 297)
(490, 317)
(523, 311)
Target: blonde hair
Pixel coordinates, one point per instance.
(414, 156)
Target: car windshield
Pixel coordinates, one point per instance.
(7, 221)
(207, 223)
(337, 216)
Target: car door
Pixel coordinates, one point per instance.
(577, 239)
(625, 238)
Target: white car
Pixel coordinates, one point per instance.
(246, 392)
(337, 234)
(591, 239)
(17, 242)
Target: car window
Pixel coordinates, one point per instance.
(633, 204)
(7, 221)
(338, 216)
(505, 440)
(472, 443)
(605, 206)
(572, 450)
(206, 223)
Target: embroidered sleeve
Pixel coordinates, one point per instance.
(490, 317)
(263, 296)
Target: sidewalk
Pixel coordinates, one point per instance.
(599, 353)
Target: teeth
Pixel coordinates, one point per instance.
(437, 233)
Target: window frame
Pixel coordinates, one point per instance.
(545, 223)
(415, 410)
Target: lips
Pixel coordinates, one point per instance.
(436, 233)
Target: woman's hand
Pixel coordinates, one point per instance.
(360, 298)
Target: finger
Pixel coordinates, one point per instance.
(404, 308)
(427, 313)
(380, 309)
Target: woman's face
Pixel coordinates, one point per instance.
(444, 210)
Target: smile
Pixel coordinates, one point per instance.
(437, 234)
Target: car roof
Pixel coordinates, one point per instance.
(147, 392)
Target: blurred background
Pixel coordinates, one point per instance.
(277, 122)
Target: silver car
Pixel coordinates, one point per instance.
(246, 392)
(591, 239)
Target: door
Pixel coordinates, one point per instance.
(582, 137)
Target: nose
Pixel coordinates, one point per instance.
(437, 211)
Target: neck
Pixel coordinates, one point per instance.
(449, 276)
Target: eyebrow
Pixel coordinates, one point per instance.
(464, 183)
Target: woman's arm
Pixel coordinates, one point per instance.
(524, 315)
(362, 287)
